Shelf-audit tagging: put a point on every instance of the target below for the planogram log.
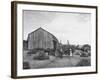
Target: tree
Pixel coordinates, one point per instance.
(86, 47)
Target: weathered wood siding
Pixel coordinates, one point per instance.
(41, 39)
(25, 45)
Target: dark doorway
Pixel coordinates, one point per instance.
(54, 44)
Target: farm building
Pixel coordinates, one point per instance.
(25, 45)
(41, 39)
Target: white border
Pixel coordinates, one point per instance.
(31, 72)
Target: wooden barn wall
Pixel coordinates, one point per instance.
(25, 45)
(40, 39)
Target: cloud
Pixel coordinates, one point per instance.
(74, 27)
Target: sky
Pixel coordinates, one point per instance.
(75, 27)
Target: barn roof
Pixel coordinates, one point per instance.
(43, 30)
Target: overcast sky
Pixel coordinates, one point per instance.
(75, 27)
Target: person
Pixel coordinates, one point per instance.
(71, 54)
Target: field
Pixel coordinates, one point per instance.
(55, 62)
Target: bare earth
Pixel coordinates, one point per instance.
(53, 62)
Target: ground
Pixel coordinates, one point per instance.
(53, 62)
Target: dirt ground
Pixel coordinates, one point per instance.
(54, 62)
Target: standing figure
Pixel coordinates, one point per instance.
(71, 54)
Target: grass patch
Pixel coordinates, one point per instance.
(84, 62)
(40, 56)
(26, 65)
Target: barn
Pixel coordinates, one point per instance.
(41, 39)
(25, 45)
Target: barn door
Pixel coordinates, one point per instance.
(54, 44)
